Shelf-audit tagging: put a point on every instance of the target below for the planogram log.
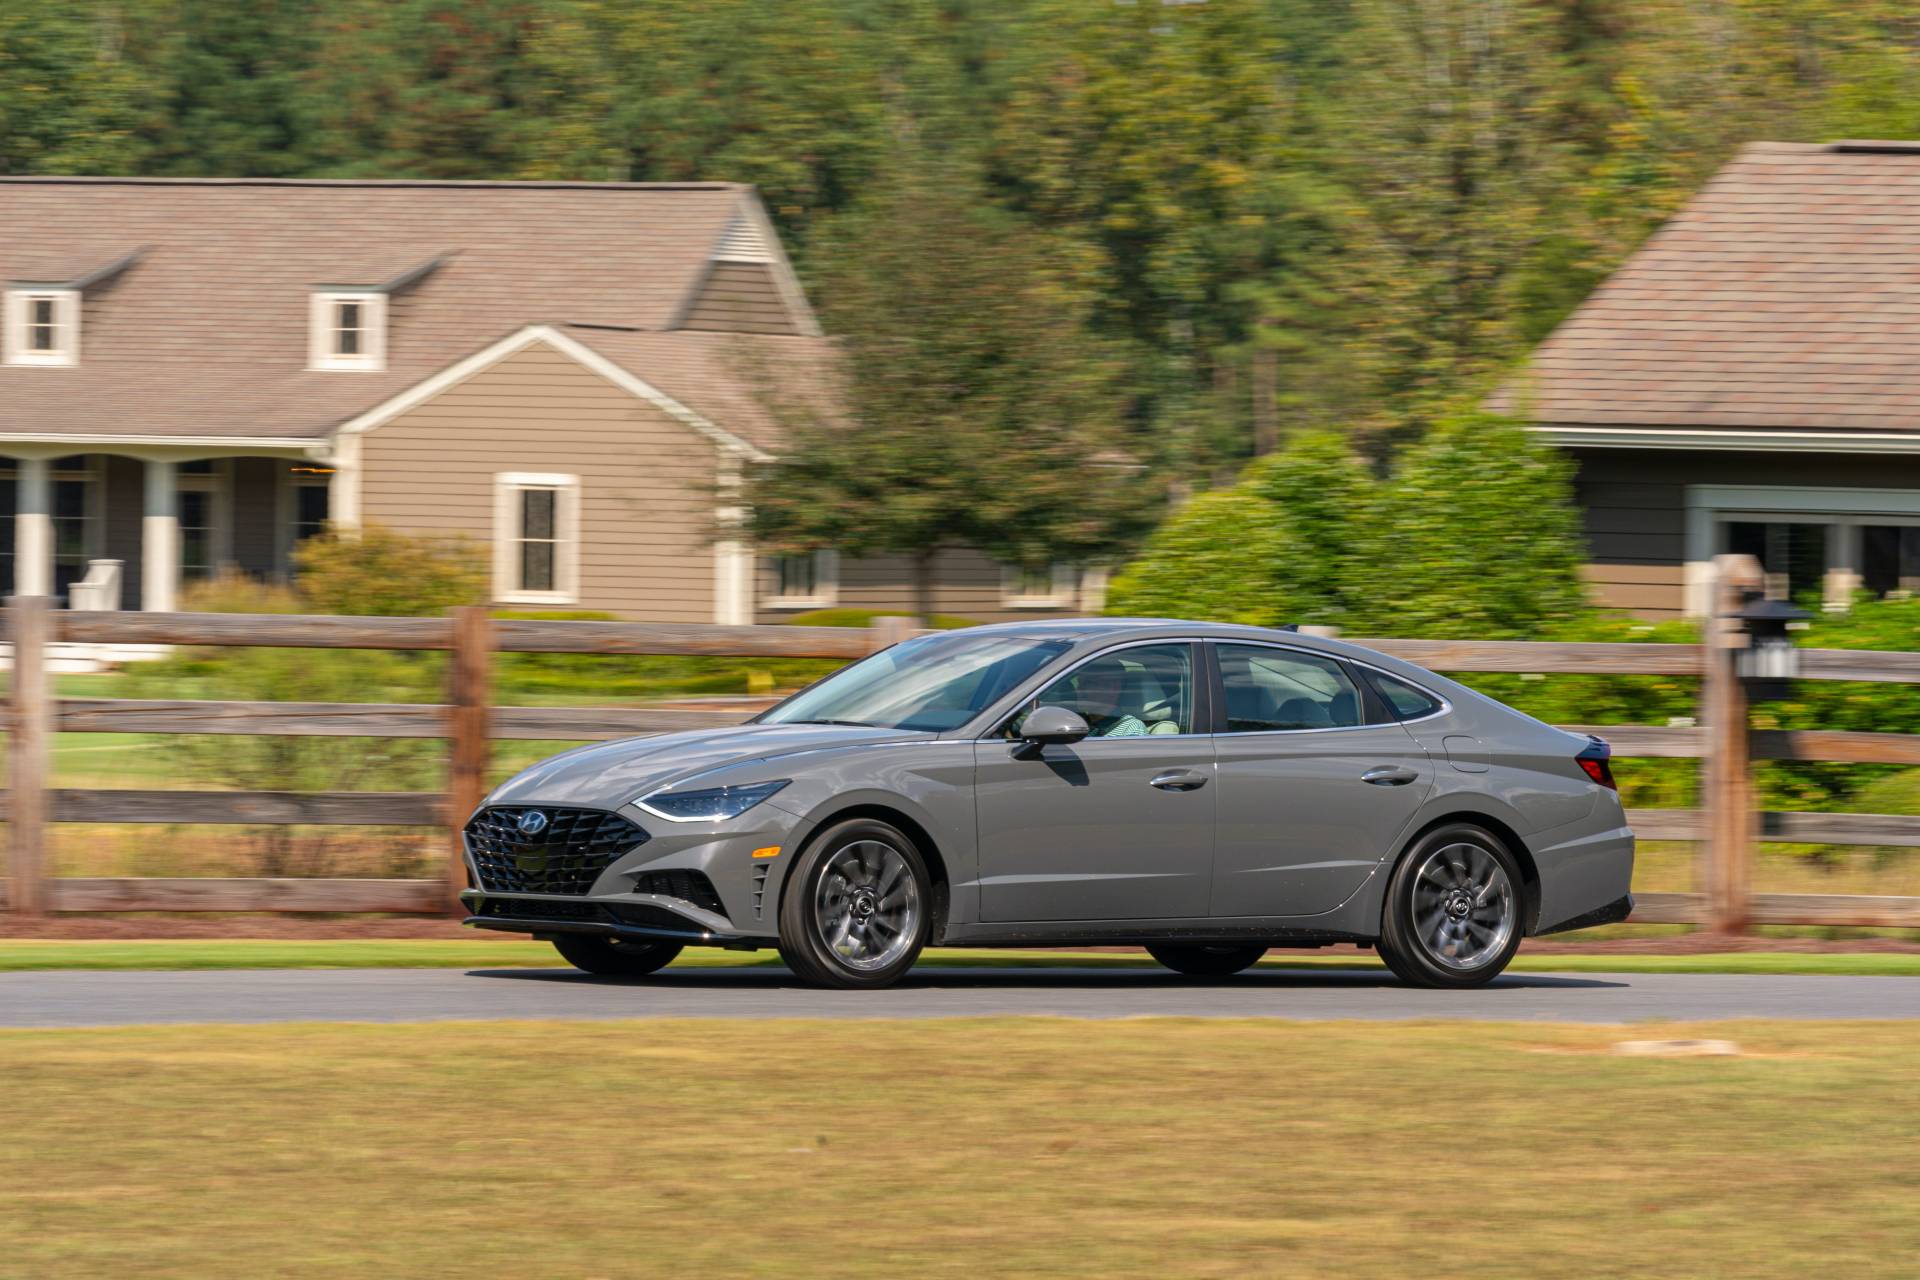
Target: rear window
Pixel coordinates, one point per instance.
(1407, 702)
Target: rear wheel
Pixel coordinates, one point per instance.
(1206, 961)
(615, 957)
(1452, 916)
(855, 912)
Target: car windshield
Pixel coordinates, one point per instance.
(934, 683)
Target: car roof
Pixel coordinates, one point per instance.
(1084, 633)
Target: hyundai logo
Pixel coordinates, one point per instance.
(532, 822)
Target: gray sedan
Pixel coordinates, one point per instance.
(1205, 791)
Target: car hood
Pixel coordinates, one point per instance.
(609, 774)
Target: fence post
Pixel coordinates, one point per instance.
(470, 697)
(1731, 820)
(27, 747)
(888, 630)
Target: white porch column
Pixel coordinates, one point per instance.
(33, 530)
(160, 540)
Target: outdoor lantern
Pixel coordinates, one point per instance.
(1769, 663)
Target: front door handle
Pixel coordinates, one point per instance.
(1389, 775)
(1179, 780)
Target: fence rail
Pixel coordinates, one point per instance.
(1726, 824)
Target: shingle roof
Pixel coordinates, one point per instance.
(1786, 294)
(726, 377)
(205, 335)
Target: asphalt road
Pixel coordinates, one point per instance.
(82, 998)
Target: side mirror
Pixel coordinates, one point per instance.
(1053, 725)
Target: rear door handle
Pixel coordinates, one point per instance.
(1179, 780)
(1389, 775)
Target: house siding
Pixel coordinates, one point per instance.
(1634, 508)
(740, 297)
(646, 479)
(967, 584)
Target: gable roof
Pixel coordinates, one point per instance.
(196, 310)
(1784, 297)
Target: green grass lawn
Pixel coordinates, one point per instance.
(20, 954)
(956, 1148)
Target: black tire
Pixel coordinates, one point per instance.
(1206, 961)
(826, 882)
(615, 957)
(1409, 936)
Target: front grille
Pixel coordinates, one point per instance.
(566, 856)
(689, 886)
(526, 909)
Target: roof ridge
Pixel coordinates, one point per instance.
(427, 183)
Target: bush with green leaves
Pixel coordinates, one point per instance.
(1472, 532)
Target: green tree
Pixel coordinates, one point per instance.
(975, 410)
(71, 100)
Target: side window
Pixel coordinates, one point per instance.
(1408, 703)
(1276, 689)
(1131, 693)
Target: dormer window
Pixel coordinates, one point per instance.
(43, 326)
(349, 331)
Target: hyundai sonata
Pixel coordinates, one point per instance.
(1205, 791)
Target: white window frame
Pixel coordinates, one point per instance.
(66, 327)
(219, 483)
(507, 536)
(826, 583)
(1063, 589)
(323, 325)
(93, 524)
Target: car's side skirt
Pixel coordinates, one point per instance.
(1130, 933)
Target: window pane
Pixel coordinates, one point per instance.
(536, 513)
(41, 325)
(70, 498)
(931, 682)
(195, 509)
(536, 566)
(1407, 702)
(310, 504)
(1797, 550)
(798, 576)
(1136, 691)
(1274, 689)
(1890, 558)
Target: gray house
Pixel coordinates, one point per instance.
(197, 374)
(1750, 382)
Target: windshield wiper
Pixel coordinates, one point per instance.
(859, 724)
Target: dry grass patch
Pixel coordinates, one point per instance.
(955, 1148)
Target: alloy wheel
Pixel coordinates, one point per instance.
(1463, 906)
(867, 905)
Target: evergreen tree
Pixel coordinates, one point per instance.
(976, 411)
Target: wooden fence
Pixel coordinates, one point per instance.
(1726, 825)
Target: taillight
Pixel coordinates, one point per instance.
(1595, 759)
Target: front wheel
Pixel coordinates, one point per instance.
(1205, 962)
(855, 912)
(1452, 915)
(615, 957)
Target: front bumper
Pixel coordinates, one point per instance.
(651, 919)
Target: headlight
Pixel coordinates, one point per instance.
(710, 804)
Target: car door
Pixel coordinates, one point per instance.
(1117, 826)
(1313, 789)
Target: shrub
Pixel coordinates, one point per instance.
(1472, 532)
(379, 572)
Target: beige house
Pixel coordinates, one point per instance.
(1749, 381)
(197, 374)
